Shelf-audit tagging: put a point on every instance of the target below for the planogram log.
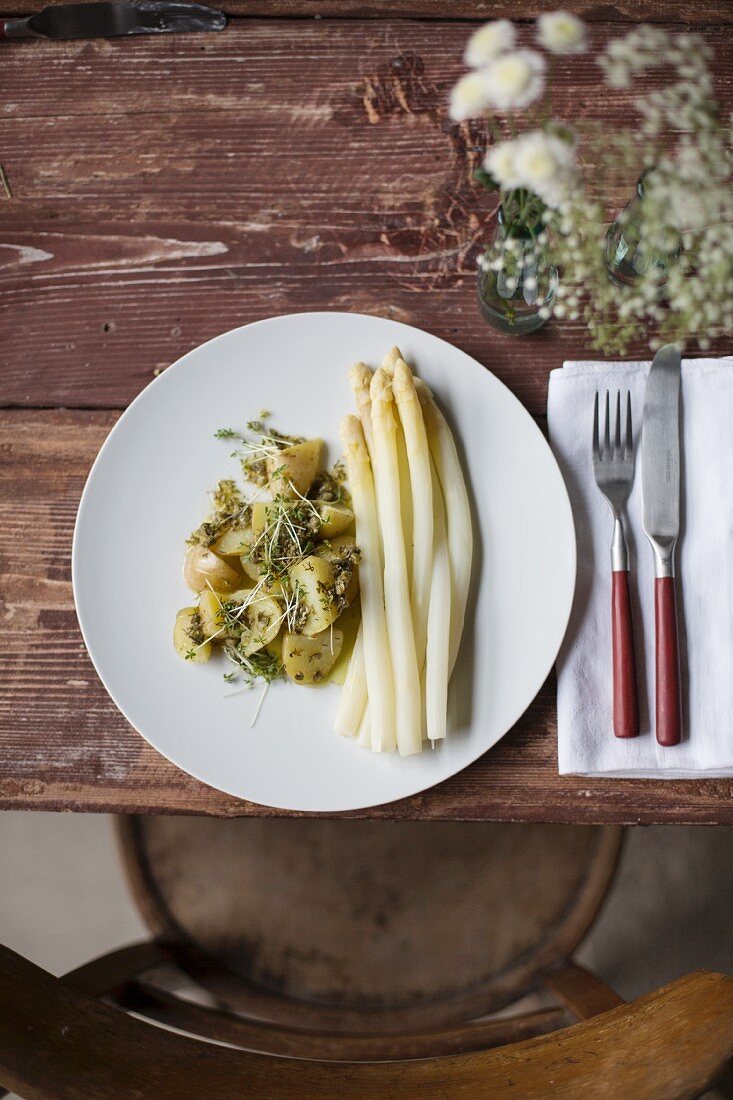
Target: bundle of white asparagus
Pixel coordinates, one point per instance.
(413, 527)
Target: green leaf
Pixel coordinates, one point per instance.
(485, 179)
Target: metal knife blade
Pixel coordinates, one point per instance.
(660, 457)
(110, 20)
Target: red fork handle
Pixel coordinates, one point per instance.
(669, 696)
(625, 704)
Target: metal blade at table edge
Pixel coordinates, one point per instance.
(116, 19)
(660, 457)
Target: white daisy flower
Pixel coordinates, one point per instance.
(469, 97)
(515, 79)
(488, 42)
(546, 165)
(560, 32)
(500, 163)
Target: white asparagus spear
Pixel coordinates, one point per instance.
(418, 459)
(360, 377)
(457, 509)
(396, 587)
(354, 691)
(390, 359)
(377, 664)
(438, 640)
(364, 737)
(406, 502)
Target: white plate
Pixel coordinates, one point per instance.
(148, 489)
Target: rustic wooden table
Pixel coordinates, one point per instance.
(165, 190)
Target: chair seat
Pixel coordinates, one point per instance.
(378, 924)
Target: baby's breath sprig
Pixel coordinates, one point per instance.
(665, 270)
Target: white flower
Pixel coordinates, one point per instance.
(541, 156)
(500, 163)
(488, 42)
(546, 165)
(515, 79)
(470, 97)
(560, 32)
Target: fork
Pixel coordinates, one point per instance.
(613, 468)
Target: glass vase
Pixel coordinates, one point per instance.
(514, 281)
(635, 249)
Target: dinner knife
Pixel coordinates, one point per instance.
(110, 20)
(660, 488)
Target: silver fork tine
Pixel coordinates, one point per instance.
(629, 432)
(607, 433)
(596, 439)
(618, 454)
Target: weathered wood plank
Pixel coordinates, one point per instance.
(634, 11)
(165, 190)
(64, 746)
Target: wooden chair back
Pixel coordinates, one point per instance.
(366, 926)
(57, 1043)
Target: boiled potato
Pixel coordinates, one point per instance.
(234, 542)
(335, 518)
(294, 468)
(188, 636)
(251, 569)
(210, 613)
(275, 647)
(203, 567)
(312, 581)
(273, 587)
(259, 621)
(261, 511)
(309, 660)
(339, 552)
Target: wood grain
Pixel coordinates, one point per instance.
(65, 746)
(166, 190)
(669, 1045)
(655, 11)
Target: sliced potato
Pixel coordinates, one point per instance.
(311, 580)
(203, 567)
(339, 552)
(335, 518)
(259, 621)
(309, 660)
(275, 647)
(188, 637)
(234, 542)
(260, 517)
(294, 468)
(251, 569)
(210, 613)
(273, 587)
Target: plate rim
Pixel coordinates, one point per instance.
(369, 803)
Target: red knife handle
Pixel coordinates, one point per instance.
(2, 28)
(625, 704)
(669, 696)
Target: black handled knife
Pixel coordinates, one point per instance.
(110, 20)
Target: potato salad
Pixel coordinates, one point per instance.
(274, 571)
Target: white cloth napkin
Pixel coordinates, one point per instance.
(586, 744)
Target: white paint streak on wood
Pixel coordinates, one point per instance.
(25, 254)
